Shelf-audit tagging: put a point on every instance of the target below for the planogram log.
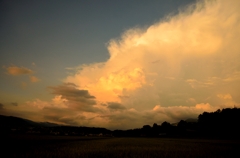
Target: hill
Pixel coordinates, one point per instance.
(16, 122)
(16, 125)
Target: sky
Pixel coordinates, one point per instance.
(118, 64)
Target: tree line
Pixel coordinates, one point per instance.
(223, 123)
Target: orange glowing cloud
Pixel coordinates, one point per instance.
(33, 79)
(18, 71)
(187, 51)
(174, 69)
(15, 71)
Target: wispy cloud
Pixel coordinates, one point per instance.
(19, 71)
(15, 71)
(33, 79)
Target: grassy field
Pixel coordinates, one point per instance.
(64, 146)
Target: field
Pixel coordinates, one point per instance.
(65, 146)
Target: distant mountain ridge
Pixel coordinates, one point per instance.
(16, 125)
(12, 121)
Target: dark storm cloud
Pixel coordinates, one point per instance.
(115, 106)
(70, 91)
(76, 98)
(14, 104)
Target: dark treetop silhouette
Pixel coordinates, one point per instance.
(223, 123)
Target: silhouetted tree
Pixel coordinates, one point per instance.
(182, 124)
(221, 123)
(155, 126)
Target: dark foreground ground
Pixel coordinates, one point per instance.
(66, 146)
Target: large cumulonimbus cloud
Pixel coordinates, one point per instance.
(174, 69)
(191, 55)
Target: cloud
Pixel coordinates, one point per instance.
(14, 104)
(15, 71)
(1, 106)
(23, 85)
(33, 79)
(18, 71)
(176, 113)
(196, 84)
(180, 62)
(224, 96)
(75, 98)
(115, 106)
(191, 100)
(59, 116)
(70, 91)
(192, 53)
(204, 107)
(44, 104)
(70, 106)
(174, 69)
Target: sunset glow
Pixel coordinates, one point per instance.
(176, 68)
